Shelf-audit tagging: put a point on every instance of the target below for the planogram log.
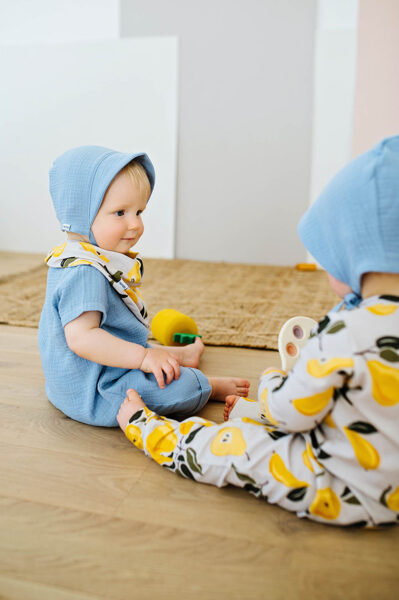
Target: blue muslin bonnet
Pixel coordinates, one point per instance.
(79, 179)
(353, 227)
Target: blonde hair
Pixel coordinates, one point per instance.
(138, 175)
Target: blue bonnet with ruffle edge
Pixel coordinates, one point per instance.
(79, 179)
(353, 227)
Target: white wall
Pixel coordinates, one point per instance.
(377, 83)
(120, 94)
(245, 121)
(117, 93)
(51, 21)
(334, 90)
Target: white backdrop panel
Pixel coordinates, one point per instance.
(117, 93)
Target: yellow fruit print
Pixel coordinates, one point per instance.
(326, 504)
(328, 420)
(162, 440)
(57, 250)
(382, 310)
(385, 383)
(90, 248)
(187, 426)
(308, 454)
(273, 370)
(79, 261)
(133, 434)
(306, 460)
(131, 294)
(365, 452)
(322, 369)
(251, 421)
(392, 501)
(229, 440)
(263, 398)
(282, 474)
(134, 273)
(311, 405)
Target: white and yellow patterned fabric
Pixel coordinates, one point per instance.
(328, 446)
(124, 272)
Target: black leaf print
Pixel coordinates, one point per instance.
(321, 454)
(323, 324)
(362, 427)
(389, 355)
(193, 434)
(297, 494)
(192, 461)
(388, 340)
(390, 298)
(336, 327)
(243, 477)
(185, 472)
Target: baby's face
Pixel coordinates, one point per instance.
(118, 225)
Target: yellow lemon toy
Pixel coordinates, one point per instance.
(168, 322)
(322, 369)
(311, 405)
(326, 504)
(385, 383)
(365, 452)
(229, 440)
(282, 474)
(162, 440)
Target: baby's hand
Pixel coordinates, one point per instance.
(159, 361)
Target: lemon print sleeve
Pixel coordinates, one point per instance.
(299, 400)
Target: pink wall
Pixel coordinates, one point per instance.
(376, 109)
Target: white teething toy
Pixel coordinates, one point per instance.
(293, 335)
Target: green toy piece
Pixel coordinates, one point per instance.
(185, 338)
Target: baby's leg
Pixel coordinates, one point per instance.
(239, 406)
(278, 468)
(226, 386)
(189, 355)
(241, 453)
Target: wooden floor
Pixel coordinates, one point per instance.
(85, 515)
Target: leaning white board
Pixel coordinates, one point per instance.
(117, 93)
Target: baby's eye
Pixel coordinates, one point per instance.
(138, 213)
(120, 213)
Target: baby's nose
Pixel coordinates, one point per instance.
(134, 222)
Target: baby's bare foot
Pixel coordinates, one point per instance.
(131, 404)
(191, 353)
(230, 402)
(225, 386)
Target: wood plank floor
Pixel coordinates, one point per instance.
(84, 515)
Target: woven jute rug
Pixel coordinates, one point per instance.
(233, 304)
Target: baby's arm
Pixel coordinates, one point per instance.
(301, 399)
(87, 339)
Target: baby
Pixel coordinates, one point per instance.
(93, 329)
(328, 444)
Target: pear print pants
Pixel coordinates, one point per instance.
(274, 465)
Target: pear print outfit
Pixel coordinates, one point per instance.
(325, 444)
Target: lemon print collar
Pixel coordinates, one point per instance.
(123, 272)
